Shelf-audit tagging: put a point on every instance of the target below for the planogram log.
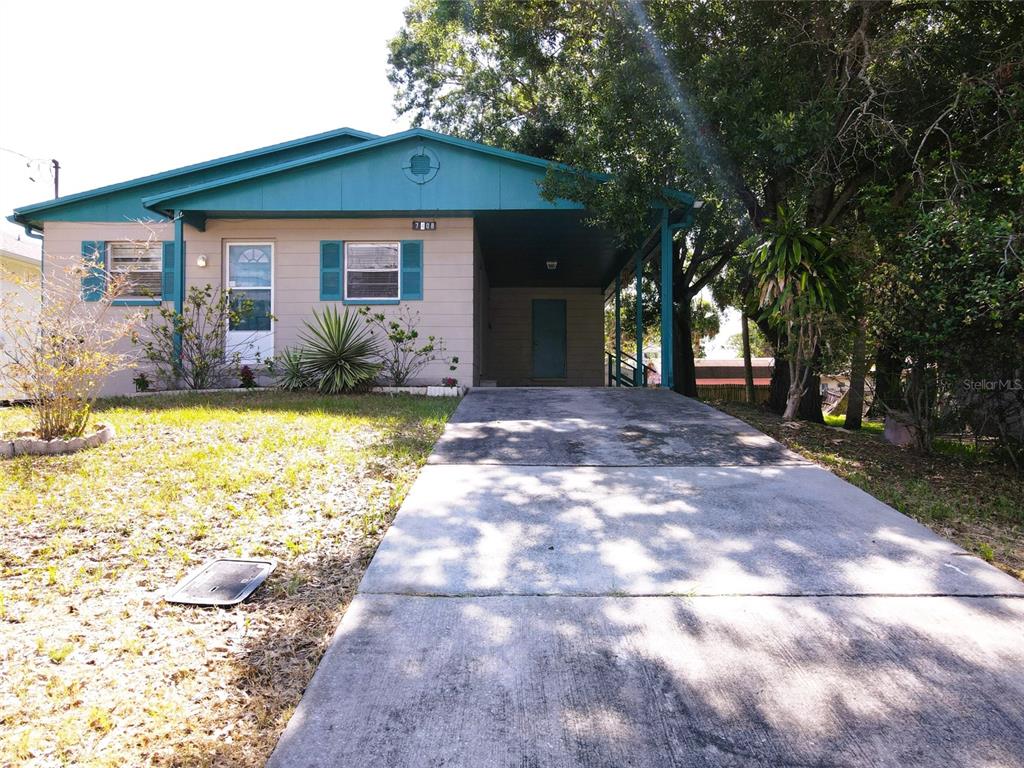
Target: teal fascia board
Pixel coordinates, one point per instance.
(115, 202)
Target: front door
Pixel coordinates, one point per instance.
(549, 338)
(250, 280)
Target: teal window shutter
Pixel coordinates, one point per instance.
(412, 270)
(169, 284)
(94, 279)
(332, 266)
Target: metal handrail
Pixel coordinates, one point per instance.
(623, 373)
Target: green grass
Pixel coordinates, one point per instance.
(871, 427)
(104, 673)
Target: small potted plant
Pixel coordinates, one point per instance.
(449, 381)
(141, 382)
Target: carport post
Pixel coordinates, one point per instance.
(638, 376)
(618, 328)
(667, 378)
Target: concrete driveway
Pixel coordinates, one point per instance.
(598, 577)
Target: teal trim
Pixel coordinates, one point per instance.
(618, 327)
(179, 267)
(179, 263)
(23, 214)
(412, 270)
(94, 281)
(136, 302)
(667, 372)
(549, 338)
(169, 280)
(639, 379)
(332, 269)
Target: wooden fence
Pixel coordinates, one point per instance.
(731, 393)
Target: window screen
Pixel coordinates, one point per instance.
(140, 264)
(371, 270)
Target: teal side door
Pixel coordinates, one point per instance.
(549, 338)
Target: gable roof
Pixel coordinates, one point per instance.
(313, 174)
(24, 214)
(156, 202)
(513, 188)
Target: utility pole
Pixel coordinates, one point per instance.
(56, 179)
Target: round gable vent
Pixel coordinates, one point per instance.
(421, 166)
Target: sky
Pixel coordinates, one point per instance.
(115, 90)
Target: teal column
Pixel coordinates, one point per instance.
(667, 374)
(179, 271)
(179, 260)
(618, 328)
(639, 380)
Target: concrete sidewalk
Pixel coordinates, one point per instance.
(598, 577)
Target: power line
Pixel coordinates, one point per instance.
(53, 167)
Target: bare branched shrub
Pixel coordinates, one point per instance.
(57, 353)
(190, 347)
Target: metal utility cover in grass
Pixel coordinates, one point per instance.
(222, 582)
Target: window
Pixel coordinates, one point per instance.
(371, 271)
(139, 265)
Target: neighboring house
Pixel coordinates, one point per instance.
(725, 372)
(20, 288)
(724, 379)
(455, 230)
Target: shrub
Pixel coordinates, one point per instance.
(190, 347)
(141, 382)
(246, 377)
(338, 354)
(402, 355)
(58, 353)
(289, 371)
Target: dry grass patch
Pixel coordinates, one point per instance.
(94, 669)
(971, 497)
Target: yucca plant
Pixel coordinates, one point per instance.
(291, 375)
(338, 353)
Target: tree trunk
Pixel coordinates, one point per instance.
(748, 368)
(888, 372)
(858, 370)
(778, 396)
(682, 347)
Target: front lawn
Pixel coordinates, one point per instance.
(968, 496)
(96, 669)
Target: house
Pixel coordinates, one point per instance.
(20, 269)
(724, 372)
(455, 230)
(724, 379)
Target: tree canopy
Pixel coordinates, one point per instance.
(895, 123)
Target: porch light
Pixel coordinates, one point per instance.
(552, 265)
(201, 260)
